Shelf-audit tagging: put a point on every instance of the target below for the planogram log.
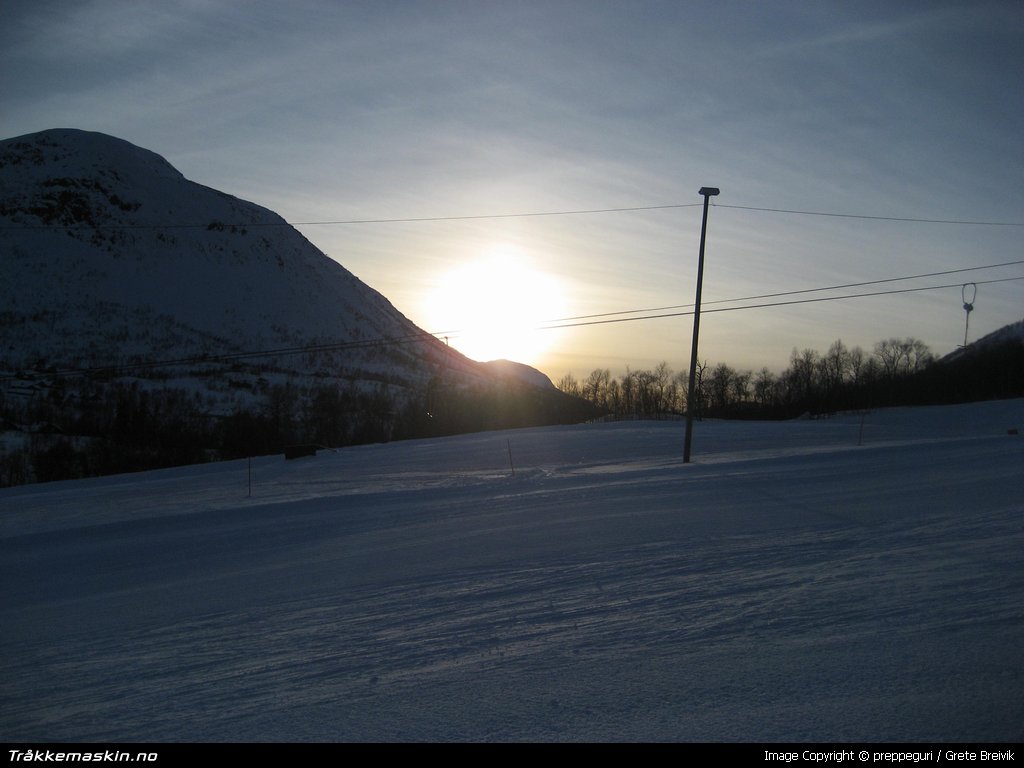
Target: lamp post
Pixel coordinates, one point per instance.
(708, 193)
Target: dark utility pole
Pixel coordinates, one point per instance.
(691, 399)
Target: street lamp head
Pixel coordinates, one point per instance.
(708, 191)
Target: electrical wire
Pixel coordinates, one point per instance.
(219, 225)
(500, 215)
(875, 218)
(527, 214)
(567, 322)
(774, 304)
(797, 292)
(434, 337)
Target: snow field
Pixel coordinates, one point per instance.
(790, 584)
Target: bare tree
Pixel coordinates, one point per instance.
(614, 396)
(919, 355)
(628, 390)
(857, 366)
(900, 357)
(662, 379)
(702, 396)
(679, 384)
(802, 375)
(596, 388)
(889, 355)
(835, 366)
(569, 385)
(740, 386)
(764, 388)
(720, 386)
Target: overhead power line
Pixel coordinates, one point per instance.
(343, 222)
(520, 215)
(797, 292)
(498, 215)
(552, 325)
(773, 304)
(968, 222)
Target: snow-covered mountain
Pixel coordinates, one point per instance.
(109, 255)
(146, 320)
(1008, 334)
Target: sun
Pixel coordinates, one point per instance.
(495, 307)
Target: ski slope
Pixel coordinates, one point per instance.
(821, 580)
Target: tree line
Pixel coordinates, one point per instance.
(897, 371)
(91, 427)
(67, 428)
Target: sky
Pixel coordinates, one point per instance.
(469, 114)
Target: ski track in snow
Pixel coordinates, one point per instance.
(788, 585)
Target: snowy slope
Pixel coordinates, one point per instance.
(859, 578)
(149, 321)
(109, 255)
(1011, 332)
(1008, 334)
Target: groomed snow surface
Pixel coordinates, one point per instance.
(789, 584)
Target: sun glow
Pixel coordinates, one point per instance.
(494, 307)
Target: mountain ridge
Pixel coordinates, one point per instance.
(148, 320)
(99, 223)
